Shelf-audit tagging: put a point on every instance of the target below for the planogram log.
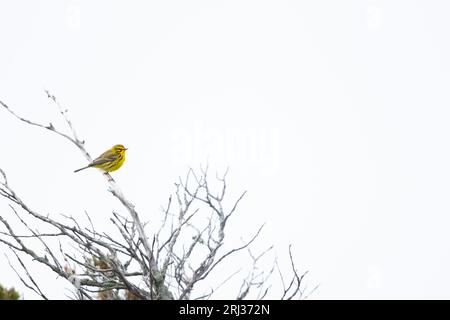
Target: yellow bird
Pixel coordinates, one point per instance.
(110, 160)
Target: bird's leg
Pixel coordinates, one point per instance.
(108, 176)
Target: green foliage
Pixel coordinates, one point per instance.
(8, 294)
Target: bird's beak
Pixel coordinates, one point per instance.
(126, 148)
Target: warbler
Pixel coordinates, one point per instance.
(110, 160)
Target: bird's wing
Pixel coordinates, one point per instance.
(105, 157)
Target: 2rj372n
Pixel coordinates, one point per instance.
(242, 309)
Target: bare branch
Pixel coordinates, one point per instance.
(185, 249)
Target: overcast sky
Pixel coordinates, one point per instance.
(334, 115)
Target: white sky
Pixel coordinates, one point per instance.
(332, 114)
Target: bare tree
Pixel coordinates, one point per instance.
(168, 264)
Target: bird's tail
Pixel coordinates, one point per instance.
(82, 168)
